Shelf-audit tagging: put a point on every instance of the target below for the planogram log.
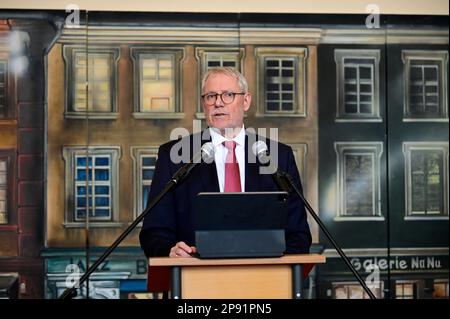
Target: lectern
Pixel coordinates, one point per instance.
(243, 278)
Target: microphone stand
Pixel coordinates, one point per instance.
(69, 293)
(285, 182)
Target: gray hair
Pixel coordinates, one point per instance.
(242, 82)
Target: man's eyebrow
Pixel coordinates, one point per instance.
(224, 91)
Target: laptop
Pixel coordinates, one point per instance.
(240, 225)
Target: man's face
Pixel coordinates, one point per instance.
(221, 115)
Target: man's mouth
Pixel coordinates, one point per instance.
(219, 114)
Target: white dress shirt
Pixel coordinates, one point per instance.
(220, 155)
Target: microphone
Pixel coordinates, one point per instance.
(207, 153)
(260, 150)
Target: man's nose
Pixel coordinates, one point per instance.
(219, 102)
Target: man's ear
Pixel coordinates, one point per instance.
(247, 101)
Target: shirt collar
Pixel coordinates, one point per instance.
(218, 138)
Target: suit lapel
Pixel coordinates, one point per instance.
(209, 177)
(209, 173)
(252, 175)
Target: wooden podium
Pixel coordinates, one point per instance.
(246, 278)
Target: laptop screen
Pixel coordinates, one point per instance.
(240, 224)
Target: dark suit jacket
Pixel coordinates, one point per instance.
(171, 219)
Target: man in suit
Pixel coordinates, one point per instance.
(168, 229)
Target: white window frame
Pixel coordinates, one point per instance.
(299, 91)
(202, 54)
(425, 146)
(439, 57)
(69, 55)
(358, 285)
(444, 282)
(69, 155)
(375, 150)
(178, 55)
(137, 153)
(340, 55)
(415, 284)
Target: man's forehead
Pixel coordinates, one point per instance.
(221, 76)
(221, 81)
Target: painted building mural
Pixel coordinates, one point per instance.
(83, 111)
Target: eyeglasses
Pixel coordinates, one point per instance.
(226, 97)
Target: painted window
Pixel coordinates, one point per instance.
(426, 179)
(215, 60)
(358, 85)
(144, 168)
(440, 289)
(281, 81)
(279, 84)
(97, 69)
(425, 80)
(358, 176)
(92, 184)
(99, 73)
(405, 290)
(353, 290)
(158, 82)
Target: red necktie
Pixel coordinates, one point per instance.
(232, 176)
